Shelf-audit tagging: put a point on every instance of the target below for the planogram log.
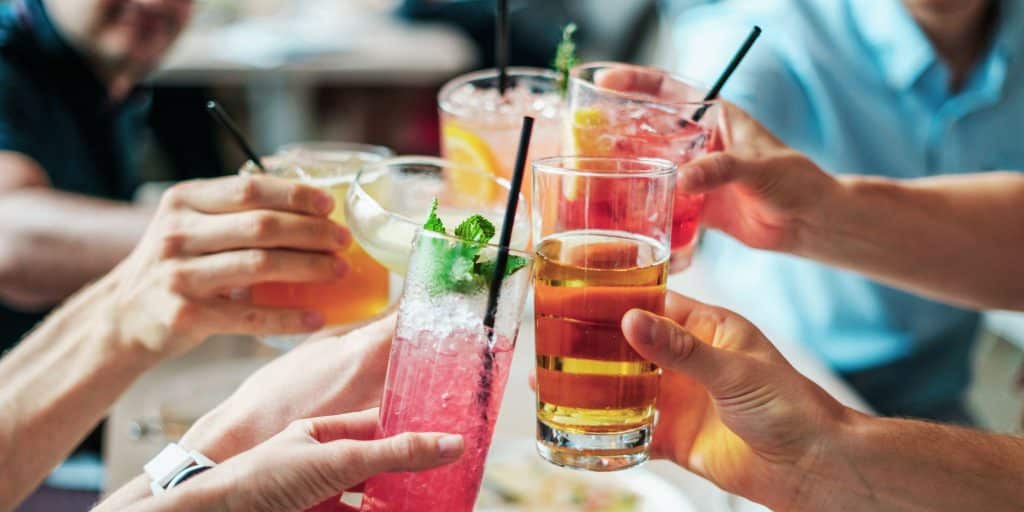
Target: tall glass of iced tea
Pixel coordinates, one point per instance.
(602, 236)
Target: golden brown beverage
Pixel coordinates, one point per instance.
(361, 294)
(589, 380)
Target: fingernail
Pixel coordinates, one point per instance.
(449, 446)
(313, 319)
(343, 236)
(323, 203)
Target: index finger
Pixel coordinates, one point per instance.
(241, 193)
(630, 79)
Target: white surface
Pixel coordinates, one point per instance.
(1007, 324)
(659, 494)
(517, 418)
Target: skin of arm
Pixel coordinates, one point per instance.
(52, 242)
(734, 411)
(326, 376)
(58, 384)
(171, 293)
(311, 463)
(952, 238)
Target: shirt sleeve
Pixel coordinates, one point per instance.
(705, 39)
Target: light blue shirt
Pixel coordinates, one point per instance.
(856, 85)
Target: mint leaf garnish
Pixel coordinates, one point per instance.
(486, 268)
(565, 57)
(455, 266)
(433, 221)
(476, 229)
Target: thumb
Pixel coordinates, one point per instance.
(665, 343)
(405, 452)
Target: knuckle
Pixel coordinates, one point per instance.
(172, 244)
(185, 314)
(248, 191)
(260, 262)
(297, 197)
(265, 224)
(179, 280)
(404, 447)
(174, 197)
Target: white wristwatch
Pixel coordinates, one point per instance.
(173, 465)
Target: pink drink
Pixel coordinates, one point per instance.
(447, 371)
(636, 125)
(441, 385)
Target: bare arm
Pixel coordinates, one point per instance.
(52, 242)
(166, 297)
(734, 411)
(955, 238)
(58, 384)
(892, 464)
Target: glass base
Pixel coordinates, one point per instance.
(593, 452)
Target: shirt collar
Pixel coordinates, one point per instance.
(899, 46)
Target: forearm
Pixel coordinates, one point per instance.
(54, 242)
(957, 238)
(57, 385)
(207, 492)
(879, 464)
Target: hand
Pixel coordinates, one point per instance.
(313, 461)
(210, 238)
(319, 377)
(758, 190)
(731, 409)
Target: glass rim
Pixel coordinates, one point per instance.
(659, 167)
(452, 238)
(328, 147)
(337, 175)
(380, 167)
(574, 76)
(513, 71)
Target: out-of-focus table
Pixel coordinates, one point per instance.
(280, 60)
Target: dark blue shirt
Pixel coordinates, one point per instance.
(54, 109)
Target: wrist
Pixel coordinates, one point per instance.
(815, 230)
(219, 434)
(831, 477)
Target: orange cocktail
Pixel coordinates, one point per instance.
(480, 127)
(595, 394)
(364, 291)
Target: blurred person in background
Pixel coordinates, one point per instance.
(905, 89)
(72, 116)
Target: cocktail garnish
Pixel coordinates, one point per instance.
(565, 57)
(458, 266)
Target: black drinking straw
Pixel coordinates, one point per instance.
(506, 226)
(501, 45)
(225, 120)
(733, 64)
(500, 262)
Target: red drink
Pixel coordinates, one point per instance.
(617, 124)
(436, 385)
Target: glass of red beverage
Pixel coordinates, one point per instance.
(626, 111)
